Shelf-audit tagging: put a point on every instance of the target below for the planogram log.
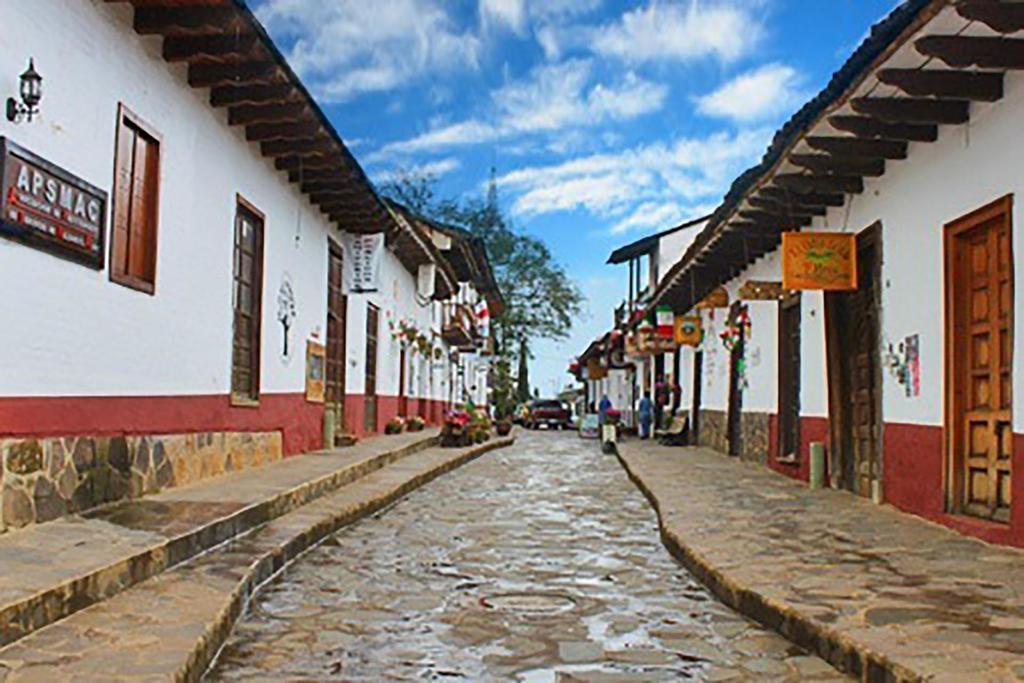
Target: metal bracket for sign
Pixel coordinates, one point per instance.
(32, 237)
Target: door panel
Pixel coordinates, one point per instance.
(735, 415)
(372, 329)
(980, 284)
(855, 409)
(698, 387)
(337, 309)
(789, 377)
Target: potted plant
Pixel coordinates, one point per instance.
(455, 432)
(415, 424)
(503, 427)
(395, 425)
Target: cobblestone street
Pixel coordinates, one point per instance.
(541, 562)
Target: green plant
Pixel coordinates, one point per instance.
(395, 425)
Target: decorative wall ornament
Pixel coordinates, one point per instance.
(718, 298)
(903, 361)
(689, 330)
(286, 311)
(316, 361)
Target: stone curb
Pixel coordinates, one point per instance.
(23, 617)
(835, 647)
(271, 563)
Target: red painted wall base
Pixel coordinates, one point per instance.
(388, 407)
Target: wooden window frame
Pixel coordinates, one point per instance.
(127, 116)
(252, 400)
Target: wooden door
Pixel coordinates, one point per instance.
(698, 386)
(403, 396)
(855, 398)
(789, 378)
(337, 308)
(734, 428)
(979, 284)
(372, 330)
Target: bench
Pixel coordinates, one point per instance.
(677, 434)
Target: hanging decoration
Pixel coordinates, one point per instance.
(718, 298)
(689, 330)
(361, 267)
(664, 322)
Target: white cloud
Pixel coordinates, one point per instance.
(552, 98)
(434, 169)
(757, 95)
(628, 187)
(510, 13)
(679, 31)
(344, 49)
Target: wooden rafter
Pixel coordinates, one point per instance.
(234, 95)
(262, 132)
(984, 86)
(809, 183)
(209, 48)
(1003, 17)
(857, 147)
(970, 51)
(867, 127)
(914, 110)
(242, 73)
(794, 208)
(814, 199)
(826, 164)
(172, 21)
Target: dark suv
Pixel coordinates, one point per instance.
(554, 414)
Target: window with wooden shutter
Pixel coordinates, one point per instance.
(136, 203)
(247, 297)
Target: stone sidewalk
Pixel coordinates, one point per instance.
(51, 570)
(878, 593)
(171, 627)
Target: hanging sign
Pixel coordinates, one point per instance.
(664, 322)
(595, 370)
(689, 330)
(426, 279)
(718, 298)
(45, 207)
(759, 290)
(316, 363)
(819, 261)
(363, 254)
(483, 319)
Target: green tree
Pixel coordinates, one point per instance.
(541, 300)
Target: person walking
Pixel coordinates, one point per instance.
(646, 415)
(602, 409)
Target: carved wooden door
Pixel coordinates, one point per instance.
(789, 378)
(372, 330)
(337, 308)
(981, 286)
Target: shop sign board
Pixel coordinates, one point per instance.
(689, 330)
(824, 261)
(316, 366)
(361, 267)
(50, 209)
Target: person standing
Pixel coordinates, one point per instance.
(602, 409)
(646, 412)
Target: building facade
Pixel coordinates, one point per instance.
(176, 225)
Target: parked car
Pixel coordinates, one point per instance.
(551, 413)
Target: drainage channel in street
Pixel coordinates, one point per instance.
(537, 563)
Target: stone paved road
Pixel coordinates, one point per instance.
(536, 563)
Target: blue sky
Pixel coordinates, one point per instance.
(605, 119)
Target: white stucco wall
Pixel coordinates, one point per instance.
(970, 166)
(68, 330)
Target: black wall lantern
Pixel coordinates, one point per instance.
(31, 94)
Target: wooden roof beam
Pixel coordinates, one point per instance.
(310, 145)
(192, 20)
(242, 73)
(914, 110)
(213, 47)
(249, 114)
(809, 183)
(772, 218)
(857, 147)
(867, 127)
(806, 198)
(793, 208)
(826, 165)
(310, 162)
(263, 132)
(982, 86)
(230, 95)
(1003, 17)
(968, 51)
